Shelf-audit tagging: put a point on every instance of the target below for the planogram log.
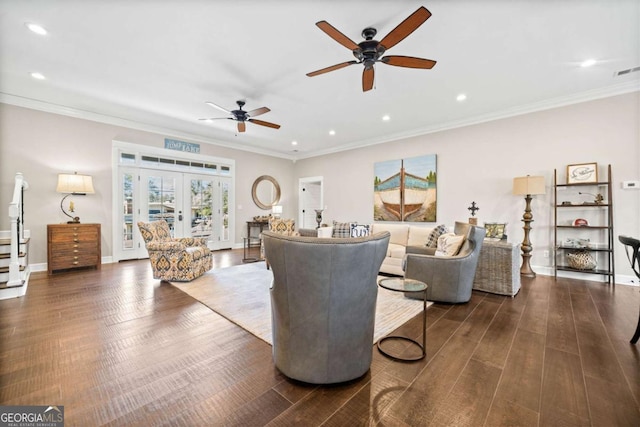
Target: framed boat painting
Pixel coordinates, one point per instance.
(405, 189)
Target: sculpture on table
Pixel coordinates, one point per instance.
(319, 217)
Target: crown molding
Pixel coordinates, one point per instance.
(48, 107)
(591, 95)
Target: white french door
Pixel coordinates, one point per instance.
(206, 213)
(194, 205)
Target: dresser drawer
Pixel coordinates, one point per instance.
(72, 246)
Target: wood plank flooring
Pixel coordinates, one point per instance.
(118, 348)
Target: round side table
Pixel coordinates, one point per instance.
(400, 284)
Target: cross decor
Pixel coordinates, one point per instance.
(473, 208)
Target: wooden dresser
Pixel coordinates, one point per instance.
(73, 246)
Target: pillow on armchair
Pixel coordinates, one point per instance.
(282, 226)
(449, 244)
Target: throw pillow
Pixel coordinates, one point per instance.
(360, 230)
(432, 240)
(282, 226)
(449, 244)
(342, 229)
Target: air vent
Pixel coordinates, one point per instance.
(627, 71)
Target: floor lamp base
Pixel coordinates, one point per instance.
(526, 270)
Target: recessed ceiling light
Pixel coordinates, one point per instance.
(461, 97)
(386, 118)
(37, 76)
(294, 142)
(588, 63)
(36, 28)
(332, 132)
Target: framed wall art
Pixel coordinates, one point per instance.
(582, 173)
(405, 189)
(495, 230)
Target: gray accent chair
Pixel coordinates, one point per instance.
(450, 279)
(323, 303)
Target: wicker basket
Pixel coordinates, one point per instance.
(581, 260)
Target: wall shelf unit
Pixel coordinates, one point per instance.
(595, 240)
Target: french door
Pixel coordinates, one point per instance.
(194, 205)
(206, 213)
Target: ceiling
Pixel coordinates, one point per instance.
(152, 65)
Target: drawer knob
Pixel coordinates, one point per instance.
(76, 240)
(75, 262)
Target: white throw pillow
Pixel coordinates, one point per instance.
(449, 244)
(359, 230)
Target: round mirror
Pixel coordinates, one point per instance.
(265, 192)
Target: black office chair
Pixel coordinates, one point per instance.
(632, 248)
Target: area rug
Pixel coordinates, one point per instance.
(241, 294)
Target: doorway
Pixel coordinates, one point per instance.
(310, 195)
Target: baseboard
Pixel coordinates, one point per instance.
(620, 279)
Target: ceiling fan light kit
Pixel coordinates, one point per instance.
(241, 116)
(370, 51)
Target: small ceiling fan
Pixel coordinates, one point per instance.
(370, 51)
(242, 116)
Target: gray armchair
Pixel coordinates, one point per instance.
(323, 303)
(450, 279)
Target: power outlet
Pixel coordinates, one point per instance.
(545, 254)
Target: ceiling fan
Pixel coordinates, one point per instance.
(370, 51)
(242, 116)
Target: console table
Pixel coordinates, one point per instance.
(498, 269)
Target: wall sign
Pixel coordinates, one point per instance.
(174, 144)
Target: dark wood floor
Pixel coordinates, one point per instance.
(116, 347)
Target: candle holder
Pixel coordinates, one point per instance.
(319, 217)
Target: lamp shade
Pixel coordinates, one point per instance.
(75, 184)
(528, 185)
(276, 209)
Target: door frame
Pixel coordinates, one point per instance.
(301, 196)
(119, 147)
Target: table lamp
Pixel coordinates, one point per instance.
(73, 184)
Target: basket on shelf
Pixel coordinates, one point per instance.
(581, 260)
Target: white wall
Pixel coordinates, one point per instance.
(41, 145)
(478, 163)
(475, 163)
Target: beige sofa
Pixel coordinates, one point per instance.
(402, 235)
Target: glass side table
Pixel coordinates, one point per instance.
(250, 242)
(400, 284)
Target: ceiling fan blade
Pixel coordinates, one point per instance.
(241, 127)
(408, 61)
(406, 27)
(216, 118)
(332, 68)
(367, 79)
(258, 111)
(263, 123)
(218, 107)
(332, 32)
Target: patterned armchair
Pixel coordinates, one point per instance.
(174, 259)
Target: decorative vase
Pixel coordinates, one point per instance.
(319, 217)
